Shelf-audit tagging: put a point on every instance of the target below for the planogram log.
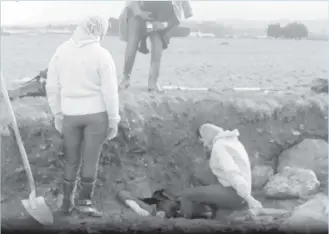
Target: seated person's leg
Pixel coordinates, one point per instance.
(214, 195)
(203, 175)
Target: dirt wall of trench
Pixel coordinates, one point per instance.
(157, 137)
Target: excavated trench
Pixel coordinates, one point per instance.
(156, 146)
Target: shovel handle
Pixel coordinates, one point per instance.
(32, 200)
(18, 136)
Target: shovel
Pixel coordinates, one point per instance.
(35, 206)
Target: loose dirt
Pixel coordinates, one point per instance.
(157, 141)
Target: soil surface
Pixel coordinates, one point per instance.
(157, 142)
(193, 62)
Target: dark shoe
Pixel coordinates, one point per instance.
(68, 198)
(156, 89)
(85, 205)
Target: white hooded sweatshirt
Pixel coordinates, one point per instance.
(229, 160)
(82, 76)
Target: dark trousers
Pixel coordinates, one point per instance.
(208, 191)
(84, 136)
(136, 32)
(135, 27)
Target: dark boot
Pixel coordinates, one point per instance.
(85, 205)
(68, 198)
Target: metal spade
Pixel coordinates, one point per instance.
(35, 206)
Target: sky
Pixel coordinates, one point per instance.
(45, 12)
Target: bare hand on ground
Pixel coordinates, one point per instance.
(254, 204)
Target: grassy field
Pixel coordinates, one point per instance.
(197, 62)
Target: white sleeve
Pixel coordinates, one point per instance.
(53, 88)
(223, 162)
(109, 87)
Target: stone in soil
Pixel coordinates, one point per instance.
(292, 183)
(260, 175)
(309, 217)
(310, 154)
(263, 217)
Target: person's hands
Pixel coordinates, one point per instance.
(112, 133)
(159, 25)
(58, 123)
(254, 204)
(144, 15)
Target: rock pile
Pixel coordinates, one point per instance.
(309, 217)
(292, 183)
(301, 172)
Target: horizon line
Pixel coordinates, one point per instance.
(59, 22)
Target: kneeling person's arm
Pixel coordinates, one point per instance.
(233, 174)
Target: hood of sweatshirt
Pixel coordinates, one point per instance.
(90, 30)
(210, 133)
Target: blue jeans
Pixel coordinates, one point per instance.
(84, 136)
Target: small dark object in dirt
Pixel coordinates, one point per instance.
(170, 205)
(320, 85)
(164, 202)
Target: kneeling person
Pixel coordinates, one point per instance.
(225, 183)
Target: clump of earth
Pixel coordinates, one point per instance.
(285, 134)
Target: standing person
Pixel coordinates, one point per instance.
(163, 16)
(82, 92)
(225, 182)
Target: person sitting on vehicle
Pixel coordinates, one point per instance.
(225, 182)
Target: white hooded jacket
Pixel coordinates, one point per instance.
(82, 76)
(229, 160)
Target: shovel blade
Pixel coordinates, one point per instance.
(39, 210)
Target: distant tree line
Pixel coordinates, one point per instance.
(292, 31)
